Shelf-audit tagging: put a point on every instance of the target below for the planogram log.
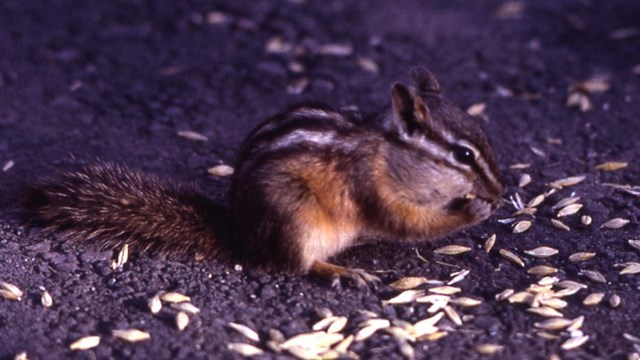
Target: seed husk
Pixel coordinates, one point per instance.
(10, 291)
(491, 241)
(581, 256)
(568, 181)
(488, 349)
(615, 301)
(574, 342)
(547, 336)
(174, 297)
(8, 165)
(458, 276)
(477, 109)
(569, 210)
(542, 270)
(635, 244)
(131, 335)
(505, 294)
(595, 276)
(612, 166)
(452, 250)
(615, 223)
(524, 180)
(571, 284)
(593, 299)
(220, 170)
(632, 338)
(542, 252)
(586, 220)
(408, 283)
(192, 135)
(46, 300)
(545, 311)
(566, 202)
(245, 350)
(123, 257)
(521, 226)
(182, 320)
(404, 297)
(465, 301)
(245, 331)
(519, 166)
(154, 304)
(553, 324)
(338, 325)
(630, 268)
(85, 343)
(21, 356)
(560, 225)
(445, 290)
(511, 257)
(579, 100)
(368, 65)
(453, 315)
(187, 307)
(536, 201)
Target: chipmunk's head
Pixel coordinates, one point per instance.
(443, 153)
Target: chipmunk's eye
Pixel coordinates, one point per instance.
(464, 155)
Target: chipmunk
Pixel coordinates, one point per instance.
(308, 183)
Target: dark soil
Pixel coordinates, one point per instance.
(117, 80)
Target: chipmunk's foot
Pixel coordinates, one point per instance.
(358, 277)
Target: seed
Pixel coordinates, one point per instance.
(189, 308)
(343, 345)
(536, 201)
(400, 333)
(554, 303)
(521, 226)
(614, 301)
(560, 225)
(10, 291)
(567, 291)
(542, 270)
(381, 323)
(565, 202)
(408, 283)
(404, 297)
(586, 220)
(174, 297)
(593, 299)
(548, 280)
(542, 252)
(8, 165)
(324, 323)
(453, 315)
(571, 284)
(244, 349)
(594, 276)
(154, 304)
(574, 342)
(612, 166)
(465, 302)
(505, 294)
(192, 135)
(245, 331)
(576, 323)
(525, 179)
(458, 276)
(131, 335)
(569, 181)
(488, 349)
(488, 245)
(579, 100)
(433, 337)
(21, 356)
(631, 338)
(569, 210)
(507, 221)
(368, 65)
(520, 297)
(635, 244)
(406, 350)
(123, 257)
(477, 109)
(220, 170)
(553, 324)
(511, 257)
(445, 290)
(182, 320)
(631, 268)
(581, 256)
(545, 311)
(298, 86)
(452, 250)
(336, 49)
(46, 300)
(615, 223)
(547, 336)
(519, 166)
(539, 289)
(432, 299)
(338, 325)
(85, 343)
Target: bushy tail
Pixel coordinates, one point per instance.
(112, 205)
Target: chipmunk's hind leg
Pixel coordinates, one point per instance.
(335, 273)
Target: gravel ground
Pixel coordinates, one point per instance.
(117, 80)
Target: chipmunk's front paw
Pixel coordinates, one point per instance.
(478, 209)
(358, 277)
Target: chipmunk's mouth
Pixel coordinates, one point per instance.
(460, 202)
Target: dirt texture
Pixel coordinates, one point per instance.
(117, 80)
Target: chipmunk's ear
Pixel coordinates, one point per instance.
(409, 111)
(424, 80)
